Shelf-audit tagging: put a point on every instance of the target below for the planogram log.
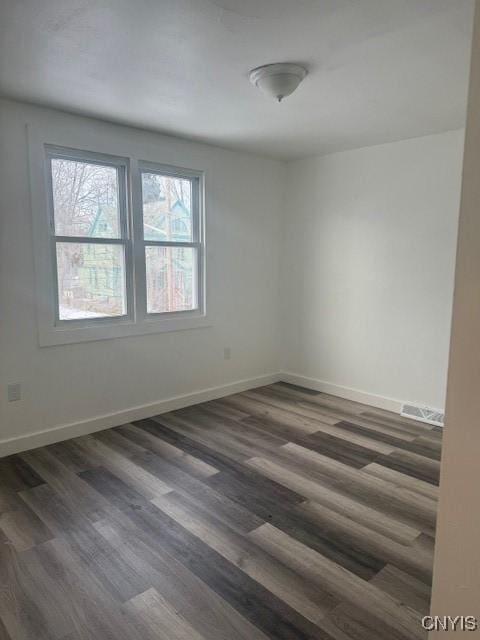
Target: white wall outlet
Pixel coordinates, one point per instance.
(227, 353)
(14, 392)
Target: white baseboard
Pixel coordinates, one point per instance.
(364, 397)
(75, 429)
(72, 430)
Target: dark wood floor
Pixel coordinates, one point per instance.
(275, 513)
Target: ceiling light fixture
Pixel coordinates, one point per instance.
(279, 79)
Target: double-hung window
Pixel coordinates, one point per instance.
(90, 237)
(124, 250)
(171, 237)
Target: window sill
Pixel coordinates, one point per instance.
(72, 335)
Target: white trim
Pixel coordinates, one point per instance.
(72, 430)
(197, 182)
(123, 328)
(357, 395)
(42, 144)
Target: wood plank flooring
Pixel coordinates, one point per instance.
(276, 513)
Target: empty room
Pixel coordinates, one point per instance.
(239, 319)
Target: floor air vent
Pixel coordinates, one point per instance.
(424, 414)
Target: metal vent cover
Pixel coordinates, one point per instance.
(423, 414)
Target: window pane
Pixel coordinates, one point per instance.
(167, 208)
(85, 199)
(171, 279)
(91, 280)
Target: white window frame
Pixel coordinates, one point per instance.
(121, 166)
(196, 180)
(136, 321)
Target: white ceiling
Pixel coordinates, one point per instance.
(379, 70)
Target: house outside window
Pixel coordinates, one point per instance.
(125, 247)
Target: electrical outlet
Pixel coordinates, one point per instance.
(14, 392)
(227, 354)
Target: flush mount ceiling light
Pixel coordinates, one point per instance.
(278, 80)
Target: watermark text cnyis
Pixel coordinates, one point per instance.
(450, 623)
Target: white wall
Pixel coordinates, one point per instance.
(365, 276)
(71, 383)
(369, 248)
